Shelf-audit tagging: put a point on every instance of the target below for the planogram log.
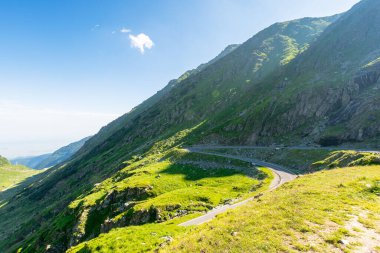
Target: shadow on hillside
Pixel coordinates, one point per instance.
(8, 194)
(196, 172)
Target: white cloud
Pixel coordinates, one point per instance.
(95, 27)
(141, 42)
(32, 130)
(125, 30)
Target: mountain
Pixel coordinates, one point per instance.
(186, 110)
(118, 124)
(215, 82)
(30, 161)
(306, 81)
(47, 160)
(331, 94)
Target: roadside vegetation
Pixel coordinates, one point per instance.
(347, 158)
(132, 239)
(151, 195)
(329, 211)
(306, 160)
(304, 215)
(333, 210)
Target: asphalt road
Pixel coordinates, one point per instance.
(215, 147)
(281, 176)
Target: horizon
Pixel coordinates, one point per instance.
(65, 79)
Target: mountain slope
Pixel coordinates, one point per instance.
(47, 160)
(205, 93)
(3, 161)
(292, 218)
(271, 89)
(334, 83)
(217, 86)
(30, 161)
(120, 123)
(301, 216)
(11, 175)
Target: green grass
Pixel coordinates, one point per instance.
(147, 237)
(347, 158)
(11, 175)
(164, 186)
(307, 160)
(144, 238)
(233, 111)
(182, 184)
(299, 160)
(308, 214)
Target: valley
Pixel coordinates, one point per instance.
(11, 175)
(271, 146)
(292, 202)
(301, 216)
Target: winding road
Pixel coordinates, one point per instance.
(281, 176)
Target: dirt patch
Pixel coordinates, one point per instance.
(364, 239)
(358, 237)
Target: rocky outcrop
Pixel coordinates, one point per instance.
(131, 217)
(96, 219)
(368, 76)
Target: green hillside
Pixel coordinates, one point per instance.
(307, 81)
(302, 216)
(289, 211)
(11, 175)
(155, 129)
(3, 161)
(305, 160)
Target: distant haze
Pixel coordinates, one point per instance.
(27, 130)
(61, 78)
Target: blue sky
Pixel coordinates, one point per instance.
(69, 67)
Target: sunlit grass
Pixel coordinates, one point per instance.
(170, 185)
(14, 174)
(306, 214)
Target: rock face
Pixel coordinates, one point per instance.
(357, 112)
(95, 219)
(307, 81)
(293, 85)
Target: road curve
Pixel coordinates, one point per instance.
(202, 147)
(281, 176)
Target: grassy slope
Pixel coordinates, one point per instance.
(307, 160)
(120, 123)
(296, 159)
(189, 104)
(220, 93)
(193, 188)
(156, 188)
(296, 211)
(133, 239)
(13, 174)
(311, 213)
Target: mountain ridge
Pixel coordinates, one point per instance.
(265, 91)
(47, 160)
(174, 119)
